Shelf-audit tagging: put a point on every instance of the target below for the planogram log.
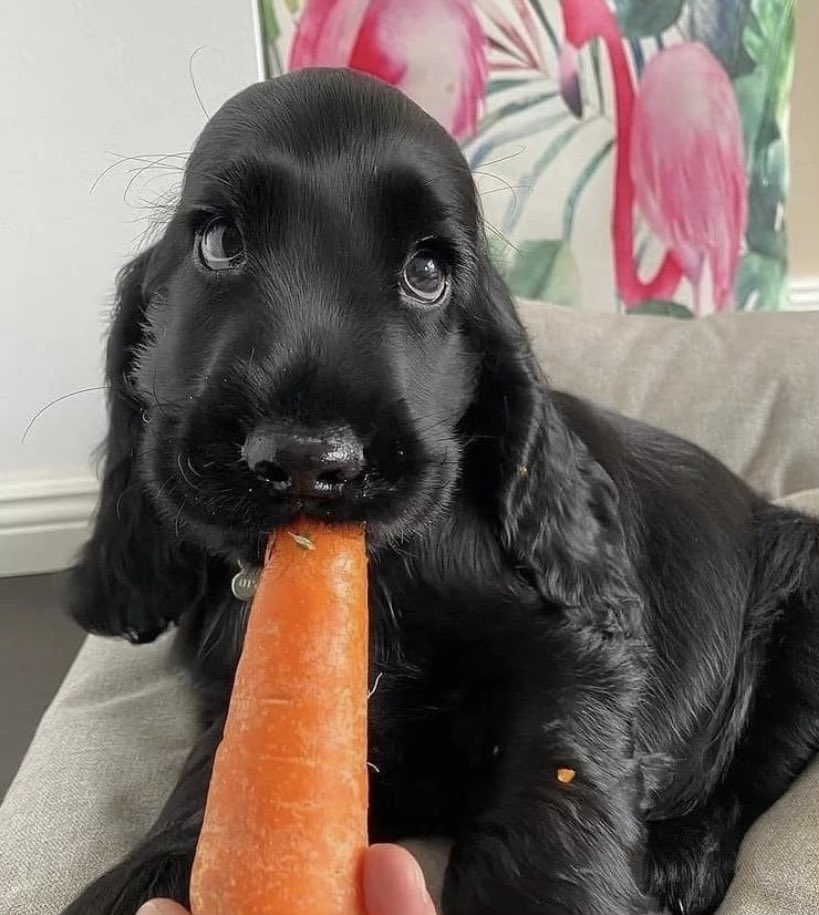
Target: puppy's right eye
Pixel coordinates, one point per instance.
(425, 277)
(221, 246)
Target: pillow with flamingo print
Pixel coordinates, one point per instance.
(630, 154)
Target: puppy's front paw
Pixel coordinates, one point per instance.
(502, 871)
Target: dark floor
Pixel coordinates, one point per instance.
(37, 645)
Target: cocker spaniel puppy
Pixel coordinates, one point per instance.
(320, 331)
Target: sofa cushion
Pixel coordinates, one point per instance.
(778, 867)
(105, 756)
(745, 387)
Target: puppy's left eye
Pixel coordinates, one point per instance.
(425, 276)
(221, 245)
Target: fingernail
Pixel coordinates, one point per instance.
(420, 879)
(423, 892)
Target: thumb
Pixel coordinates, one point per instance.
(162, 907)
(394, 883)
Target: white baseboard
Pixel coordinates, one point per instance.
(805, 294)
(43, 522)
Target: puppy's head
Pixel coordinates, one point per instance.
(303, 345)
(319, 331)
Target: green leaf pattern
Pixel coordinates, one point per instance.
(644, 18)
(545, 270)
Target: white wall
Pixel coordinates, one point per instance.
(78, 81)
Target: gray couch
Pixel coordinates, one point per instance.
(109, 748)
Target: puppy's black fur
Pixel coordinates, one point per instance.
(552, 585)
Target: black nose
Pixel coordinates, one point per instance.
(304, 462)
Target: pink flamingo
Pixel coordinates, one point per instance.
(434, 50)
(679, 155)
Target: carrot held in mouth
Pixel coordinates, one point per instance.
(286, 816)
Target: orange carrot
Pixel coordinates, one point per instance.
(286, 815)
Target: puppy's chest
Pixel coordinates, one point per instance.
(450, 623)
(443, 653)
(451, 589)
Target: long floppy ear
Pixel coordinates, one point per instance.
(133, 578)
(557, 507)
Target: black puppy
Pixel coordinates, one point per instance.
(319, 330)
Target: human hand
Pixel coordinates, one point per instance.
(393, 885)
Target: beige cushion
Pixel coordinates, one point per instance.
(778, 867)
(745, 387)
(105, 756)
(806, 501)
